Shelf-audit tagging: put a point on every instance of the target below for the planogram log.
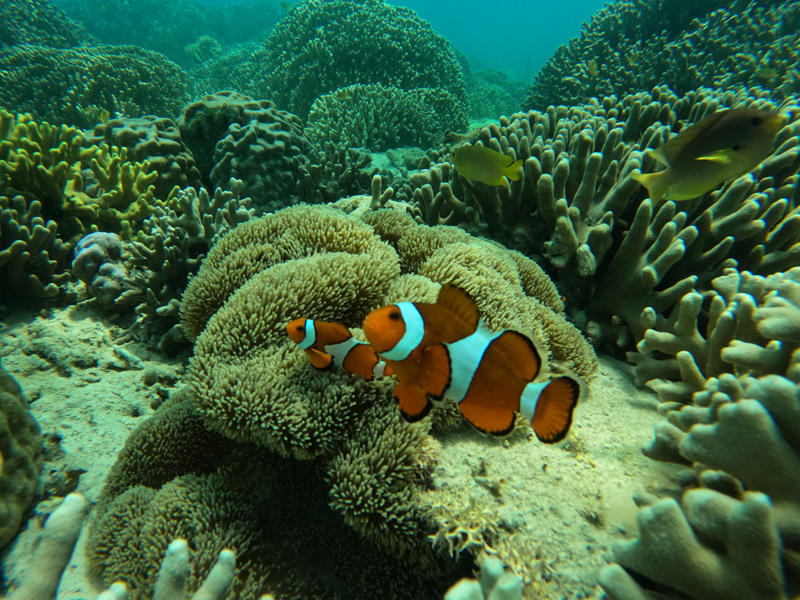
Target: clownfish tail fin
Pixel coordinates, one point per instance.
(550, 407)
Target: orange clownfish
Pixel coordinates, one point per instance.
(332, 343)
(399, 333)
(490, 375)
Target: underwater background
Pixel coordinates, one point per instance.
(617, 182)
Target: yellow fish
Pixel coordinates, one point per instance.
(592, 67)
(483, 164)
(724, 145)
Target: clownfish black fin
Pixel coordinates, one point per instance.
(458, 302)
(412, 401)
(554, 407)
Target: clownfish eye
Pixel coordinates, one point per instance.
(755, 121)
(736, 147)
(394, 315)
(300, 328)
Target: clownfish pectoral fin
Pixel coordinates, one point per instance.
(319, 360)
(552, 417)
(435, 371)
(460, 304)
(520, 353)
(361, 360)
(412, 401)
(495, 420)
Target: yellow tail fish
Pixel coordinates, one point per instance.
(483, 164)
(724, 145)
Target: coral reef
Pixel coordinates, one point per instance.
(70, 85)
(40, 24)
(98, 263)
(637, 44)
(167, 251)
(495, 583)
(20, 456)
(231, 135)
(378, 118)
(59, 535)
(620, 261)
(156, 140)
(322, 46)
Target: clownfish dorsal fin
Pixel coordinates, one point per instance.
(519, 353)
(458, 302)
(332, 333)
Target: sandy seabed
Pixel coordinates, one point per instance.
(86, 382)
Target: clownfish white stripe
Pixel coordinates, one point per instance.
(310, 337)
(379, 370)
(530, 397)
(340, 351)
(415, 332)
(465, 357)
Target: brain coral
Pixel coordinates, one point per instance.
(638, 44)
(20, 456)
(323, 45)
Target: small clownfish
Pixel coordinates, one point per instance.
(400, 332)
(332, 343)
(490, 376)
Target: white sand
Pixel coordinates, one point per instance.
(86, 384)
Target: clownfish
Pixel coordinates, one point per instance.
(332, 343)
(490, 375)
(399, 333)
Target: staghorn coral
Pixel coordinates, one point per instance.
(638, 44)
(20, 456)
(378, 118)
(321, 46)
(68, 85)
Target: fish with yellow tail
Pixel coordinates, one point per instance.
(332, 343)
(399, 333)
(723, 146)
(489, 375)
(479, 163)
